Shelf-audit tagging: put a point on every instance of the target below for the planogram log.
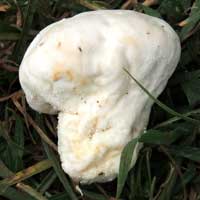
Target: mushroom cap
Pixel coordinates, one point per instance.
(74, 67)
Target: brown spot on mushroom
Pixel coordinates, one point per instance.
(80, 49)
(107, 128)
(59, 44)
(41, 43)
(148, 33)
(134, 130)
(101, 174)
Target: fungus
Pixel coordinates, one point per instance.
(78, 73)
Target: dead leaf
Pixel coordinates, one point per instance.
(4, 7)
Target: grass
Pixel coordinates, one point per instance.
(168, 167)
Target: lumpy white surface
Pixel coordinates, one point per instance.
(74, 67)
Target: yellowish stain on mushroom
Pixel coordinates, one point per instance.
(84, 81)
(93, 127)
(128, 40)
(109, 154)
(77, 148)
(69, 74)
(60, 72)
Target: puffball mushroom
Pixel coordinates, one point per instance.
(75, 67)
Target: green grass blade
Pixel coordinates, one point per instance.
(191, 153)
(93, 195)
(8, 32)
(61, 175)
(159, 138)
(159, 103)
(13, 194)
(125, 164)
(167, 187)
(20, 46)
(47, 181)
(175, 119)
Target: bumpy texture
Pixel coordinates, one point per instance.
(75, 68)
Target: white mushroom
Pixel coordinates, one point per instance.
(74, 67)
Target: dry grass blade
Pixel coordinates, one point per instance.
(5, 172)
(4, 7)
(168, 164)
(50, 127)
(129, 4)
(35, 126)
(91, 6)
(9, 68)
(24, 174)
(10, 96)
(150, 2)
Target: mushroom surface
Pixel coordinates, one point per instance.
(74, 67)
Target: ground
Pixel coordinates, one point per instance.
(168, 165)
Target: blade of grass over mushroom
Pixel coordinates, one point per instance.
(159, 103)
(125, 163)
(20, 46)
(24, 174)
(61, 175)
(136, 179)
